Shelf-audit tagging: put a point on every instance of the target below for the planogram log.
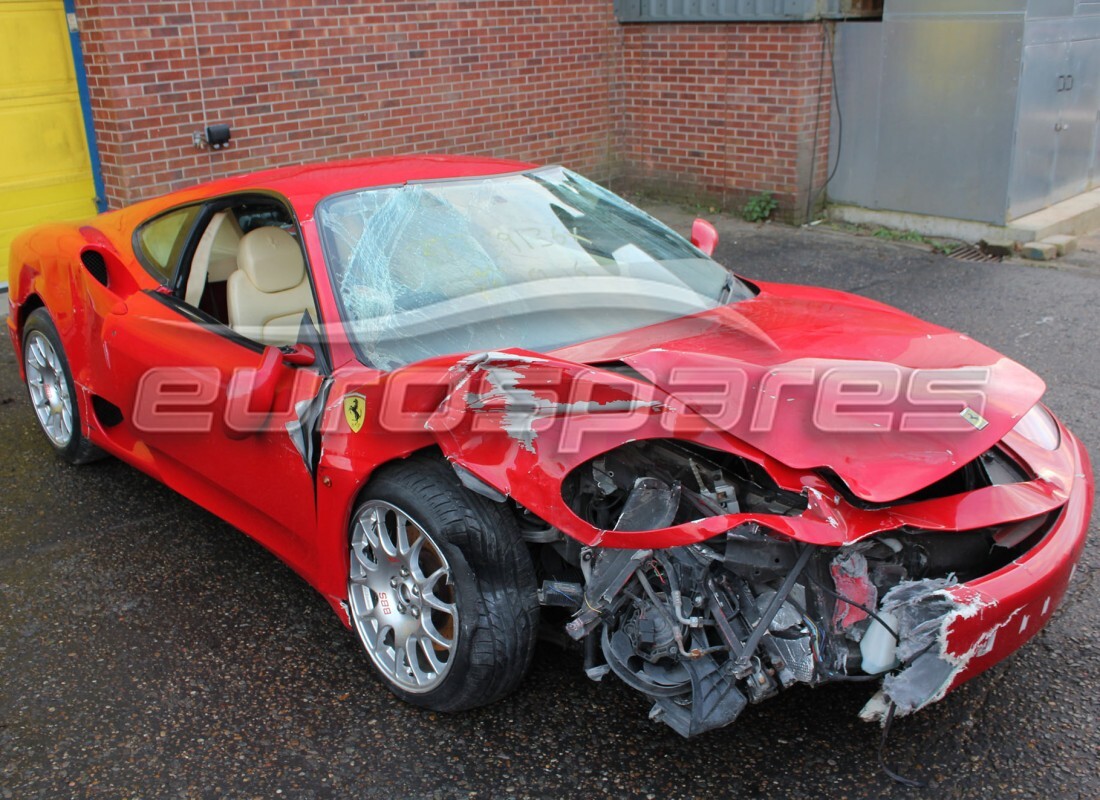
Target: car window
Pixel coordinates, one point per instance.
(160, 241)
(538, 260)
(210, 263)
(256, 284)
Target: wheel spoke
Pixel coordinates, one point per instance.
(36, 352)
(364, 561)
(413, 559)
(44, 356)
(385, 537)
(428, 584)
(411, 646)
(384, 652)
(429, 653)
(370, 530)
(402, 535)
(432, 601)
(428, 626)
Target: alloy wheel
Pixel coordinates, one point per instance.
(402, 597)
(49, 389)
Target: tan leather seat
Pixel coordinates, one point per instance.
(215, 256)
(269, 291)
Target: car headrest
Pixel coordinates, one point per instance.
(271, 259)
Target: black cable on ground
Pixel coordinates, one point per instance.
(910, 782)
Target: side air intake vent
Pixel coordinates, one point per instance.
(95, 264)
(106, 412)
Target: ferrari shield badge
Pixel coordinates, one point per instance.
(355, 408)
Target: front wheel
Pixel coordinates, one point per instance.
(441, 588)
(52, 391)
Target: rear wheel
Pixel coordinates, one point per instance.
(441, 588)
(52, 391)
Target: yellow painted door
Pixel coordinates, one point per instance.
(45, 168)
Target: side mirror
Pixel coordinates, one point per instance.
(704, 236)
(300, 355)
(250, 395)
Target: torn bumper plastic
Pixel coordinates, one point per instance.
(953, 633)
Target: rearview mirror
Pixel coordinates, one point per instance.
(704, 236)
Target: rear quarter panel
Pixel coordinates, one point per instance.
(40, 273)
(45, 269)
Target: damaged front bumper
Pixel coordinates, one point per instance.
(705, 629)
(952, 633)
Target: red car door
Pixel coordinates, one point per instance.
(235, 458)
(213, 414)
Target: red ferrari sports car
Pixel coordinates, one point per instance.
(466, 399)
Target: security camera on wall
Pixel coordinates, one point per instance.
(214, 137)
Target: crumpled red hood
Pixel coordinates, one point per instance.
(793, 362)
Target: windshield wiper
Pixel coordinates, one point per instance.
(727, 289)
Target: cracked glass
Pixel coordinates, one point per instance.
(538, 260)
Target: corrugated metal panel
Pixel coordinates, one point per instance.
(1061, 29)
(1033, 9)
(947, 113)
(951, 8)
(1037, 9)
(1078, 139)
(1036, 137)
(724, 10)
(929, 106)
(1058, 128)
(982, 110)
(859, 57)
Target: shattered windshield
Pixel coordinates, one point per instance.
(538, 260)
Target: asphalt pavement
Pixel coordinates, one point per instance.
(149, 650)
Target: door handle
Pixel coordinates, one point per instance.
(1069, 82)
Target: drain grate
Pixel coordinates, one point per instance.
(972, 252)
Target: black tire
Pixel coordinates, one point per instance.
(75, 446)
(491, 582)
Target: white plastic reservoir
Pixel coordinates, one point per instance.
(878, 645)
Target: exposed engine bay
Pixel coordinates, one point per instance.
(705, 629)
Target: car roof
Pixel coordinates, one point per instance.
(305, 185)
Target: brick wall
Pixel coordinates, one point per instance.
(723, 110)
(732, 110)
(332, 79)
